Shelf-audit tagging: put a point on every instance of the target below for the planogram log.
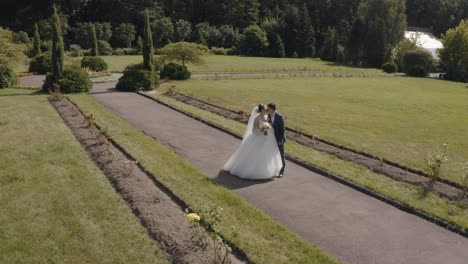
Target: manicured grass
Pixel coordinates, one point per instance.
(55, 204)
(454, 212)
(399, 118)
(245, 64)
(259, 236)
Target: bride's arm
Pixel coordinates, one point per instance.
(256, 125)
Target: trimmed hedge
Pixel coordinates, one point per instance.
(136, 77)
(175, 72)
(41, 64)
(8, 77)
(94, 63)
(74, 80)
(417, 63)
(390, 67)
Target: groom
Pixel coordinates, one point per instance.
(277, 122)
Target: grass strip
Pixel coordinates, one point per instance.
(55, 205)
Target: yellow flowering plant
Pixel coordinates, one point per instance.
(206, 232)
(434, 162)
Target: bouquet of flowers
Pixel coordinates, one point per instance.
(265, 126)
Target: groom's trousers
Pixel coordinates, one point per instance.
(281, 149)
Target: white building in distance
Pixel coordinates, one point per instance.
(426, 39)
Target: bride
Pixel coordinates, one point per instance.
(258, 156)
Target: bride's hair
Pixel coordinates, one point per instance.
(261, 107)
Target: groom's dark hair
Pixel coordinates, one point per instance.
(272, 106)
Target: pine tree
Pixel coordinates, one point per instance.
(310, 42)
(306, 35)
(277, 47)
(139, 45)
(147, 43)
(201, 39)
(58, 54)
(95, 47)
(330, 46)
(36, 41)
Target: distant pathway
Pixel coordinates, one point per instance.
(347, 224)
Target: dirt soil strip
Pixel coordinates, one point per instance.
(442, 187)
(297, 74)
(159, 211)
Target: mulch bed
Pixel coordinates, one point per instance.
(381, 166)
(159, 211)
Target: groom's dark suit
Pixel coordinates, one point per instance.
(277, 122)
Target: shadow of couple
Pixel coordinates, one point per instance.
(233, 182)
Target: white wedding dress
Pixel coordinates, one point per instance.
(258, 156)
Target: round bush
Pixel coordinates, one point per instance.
(73, 80)
(390, 67)
(136, 77)
(8, 77)
(41, 63)
(104, 48)
(175, 72)
(456, 72)
(417, 63)
(94, 63)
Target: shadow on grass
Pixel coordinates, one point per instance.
(331, 63)
(36, 92)
(232, 182)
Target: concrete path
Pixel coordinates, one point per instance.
(347, 224)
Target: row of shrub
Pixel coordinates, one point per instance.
(8, 77)
(416, 63)
(73, 80)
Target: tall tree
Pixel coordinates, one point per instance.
(330, 46)
(277, 47)
(305, 37)
(95, 46)
(58, 54)
(454, 55)
(36, 41)
(148, 50)
(383, 23)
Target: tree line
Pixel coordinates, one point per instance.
(353, 31)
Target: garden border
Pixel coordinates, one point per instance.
(433, 219)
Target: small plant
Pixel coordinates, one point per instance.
(434, 162)
(300, 131)
(130, 166)
(207, 234)
(243, 113)
(104, 138)
(173, 89)
(55, 92)
(465, 180)
(90, 120)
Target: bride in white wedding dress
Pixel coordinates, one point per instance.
(258, 156)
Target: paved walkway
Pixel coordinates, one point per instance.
(347, 224)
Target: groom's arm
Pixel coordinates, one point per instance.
(282, 129)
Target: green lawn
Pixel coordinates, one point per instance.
(397, 118)
(216, 63)
(55, 204)
(454, 212)
(257, 233)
